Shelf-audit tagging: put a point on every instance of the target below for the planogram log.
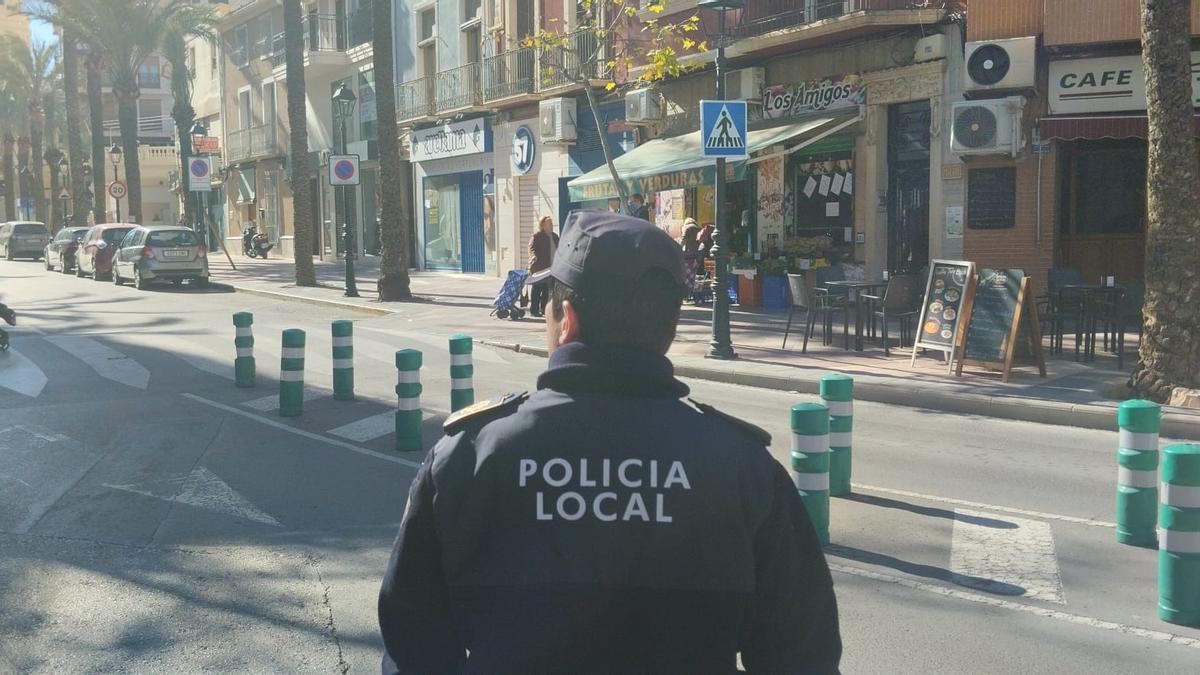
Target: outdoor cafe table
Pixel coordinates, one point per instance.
(854, 292)
(1109, 296)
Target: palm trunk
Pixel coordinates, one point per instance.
(96, 117)
(302, 202)
(10, 180)
(75, 150)
(184, 116)
(1170, 350)
(24, 175)
(56, 214)
(395, 193)
(127, 116)
(36, 123)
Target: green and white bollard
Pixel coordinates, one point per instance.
(810, 462)
(1137, 472)
(837, 392)
(243, 341)
(343, 360)
(291, 374)
(1179, 536)
(462, 373)
(408, 408)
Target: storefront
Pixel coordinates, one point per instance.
(452, 164)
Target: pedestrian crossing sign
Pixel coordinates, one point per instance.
(723, 128)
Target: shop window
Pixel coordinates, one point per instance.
(992, 198)
(816, 205)
(1105, 187)
(148, 76)
(441, 202)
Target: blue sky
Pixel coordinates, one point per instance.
(42, 32)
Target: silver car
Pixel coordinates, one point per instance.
(168, 253)
(23, 239)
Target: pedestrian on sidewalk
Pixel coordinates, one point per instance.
(640, 210)
(541, 254)
(604, 524)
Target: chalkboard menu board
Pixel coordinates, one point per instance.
(991, 198)
(945, 296)
(992, 315)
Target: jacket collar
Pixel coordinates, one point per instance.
(579, 368)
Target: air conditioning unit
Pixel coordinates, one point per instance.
(930, 48)
(643, 105)
(991, 127)
(557, 120)
(745, 84)
(1001, 64)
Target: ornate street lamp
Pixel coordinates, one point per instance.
(114, 156)
(721, 345)
(343, 108)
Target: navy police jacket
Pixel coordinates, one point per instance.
(604, 525)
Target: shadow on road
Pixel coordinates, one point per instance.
(935, 512)
(928, 571)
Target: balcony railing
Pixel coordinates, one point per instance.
(457, 88)
(576, 60)
(162, 125)
(324, 33)
(255, 142)
(768, 16)
(414, 99)
(509, 74)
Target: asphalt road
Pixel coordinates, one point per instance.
(155, 518)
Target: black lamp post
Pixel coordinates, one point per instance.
(721, 346)
(343, 108)
(114, 156)
(198, 130)
(63, 169)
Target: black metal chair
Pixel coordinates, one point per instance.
(835, 298)
(812, 306)
(1058, 306)
(901, 300)
(1117, 315)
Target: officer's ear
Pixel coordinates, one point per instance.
(568, 327)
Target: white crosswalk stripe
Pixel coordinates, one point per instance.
(370, 428)
(21, 375)
(271, 402)
(106, 361)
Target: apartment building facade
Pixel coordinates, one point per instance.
(1076, 197)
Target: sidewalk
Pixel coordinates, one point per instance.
(1073, 393)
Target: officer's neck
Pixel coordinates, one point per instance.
(611, 369)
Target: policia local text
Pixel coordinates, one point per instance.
(609, 505)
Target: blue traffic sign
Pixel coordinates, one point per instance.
(723, 128)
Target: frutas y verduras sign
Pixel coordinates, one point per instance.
(799, 98)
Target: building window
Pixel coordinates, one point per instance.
(471, 10)
(148, 76)
(366, 106)
(362, 26)
(441, 222)
(150, 116)
(244, 115)
(1105, 187)
(212, 60)
(268, 210)
(263, 35)
(240, 50)
(191, 60)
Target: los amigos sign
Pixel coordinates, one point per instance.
(799, 98)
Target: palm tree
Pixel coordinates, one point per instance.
(395, 194)
(302, 201)
(34, 69)
(10, 110)
(125, 33)
(194, 22)
(94, 63)
(1169, 354)
(70, 71)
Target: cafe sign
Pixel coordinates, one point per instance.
(675, 180)
(801, 98)
(469, 137)
(1106, 84)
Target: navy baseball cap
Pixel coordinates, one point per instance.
(600, 248)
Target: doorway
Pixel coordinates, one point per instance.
(908, 187)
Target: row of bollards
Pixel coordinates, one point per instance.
(821, 442)
(1168, 518)
(408, 368)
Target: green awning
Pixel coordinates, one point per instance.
(678, 162)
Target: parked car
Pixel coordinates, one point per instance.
(61, 249)
(23, 240)
(161, 253)
(95, 253)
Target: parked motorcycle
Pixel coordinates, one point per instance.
(10, 317)
(255, 244)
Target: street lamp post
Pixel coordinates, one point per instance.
(114, 156)
(721, 345)
(63, 169)
(198, 200)
(343, 106)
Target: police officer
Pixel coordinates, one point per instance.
(603, 524)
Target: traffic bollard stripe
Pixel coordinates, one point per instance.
(1181, 496)
(461, 383)
(840, 439)
(291, 376)
(292, 353)
(811, 482)
(840, 408)
(343, 363)
(1175, 541)
(243, 331)
(343, 341)
(413, 403)
(809, 444)
(460, 359)
(1137, 479)
(1135, 441)
(408, 377)
(243, 352)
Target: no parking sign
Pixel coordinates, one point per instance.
(199, 174)
(343, 170)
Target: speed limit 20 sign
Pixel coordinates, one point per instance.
(343, 170)
(116, 190)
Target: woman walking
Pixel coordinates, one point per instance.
(541, 253)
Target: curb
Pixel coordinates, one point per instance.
(276, 295)
(1181, 425)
